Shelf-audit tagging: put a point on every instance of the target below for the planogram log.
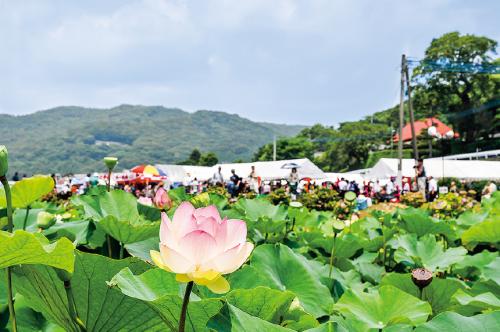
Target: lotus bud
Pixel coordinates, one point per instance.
(4, 161)
(110, 162)
(162, 200)
(421, 277)
(44, 220)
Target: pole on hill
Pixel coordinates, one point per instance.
(401, 120)
(412, 118)
(274, 148)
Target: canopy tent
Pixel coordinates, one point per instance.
(461, 169)
(332, 177)
(177, 173)
(272, 170)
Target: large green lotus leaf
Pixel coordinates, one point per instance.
(28, 190)
(28, 320)
(254, 209)
(366, 266)
(297, 319)
(232, 319)
(77, 231)
(142, 248)
(485, 232)
(474, 266)
(417, 221)
(451, 321)
(127, 231)
(22, 247)
(262, 302)
(159, 290)
(150, 213)
(426, 252)
(469, 218)
(439, 293)
(492, 271)
(117, 203)
(278, 267)
(345, 244)
(487, 286)
(388, 306)
(100, 307)
(470, 304)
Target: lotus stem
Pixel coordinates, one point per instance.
(332, 254)
(10, 227)
(122, 248)
(26, 217)
(108, 240)
(72, 306)
(185, 302)
(108, 185)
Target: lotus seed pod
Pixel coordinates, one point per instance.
(421, 277)
(4, 160)
(110, 162)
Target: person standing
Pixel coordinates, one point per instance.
(421, 177)
(254, 180)
(433, 189)
(293, 182)
(234, 184)
(217, 179)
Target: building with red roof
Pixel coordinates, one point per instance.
(421, 128)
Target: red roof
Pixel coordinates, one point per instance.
(422, 125)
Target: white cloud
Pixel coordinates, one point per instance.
(313, 60)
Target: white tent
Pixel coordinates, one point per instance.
(177, 173)
(461, 169)
(272, 170)
(332, 177)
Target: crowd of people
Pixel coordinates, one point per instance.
(294, 185)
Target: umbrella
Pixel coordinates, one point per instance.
(290, 165)
(148, 170)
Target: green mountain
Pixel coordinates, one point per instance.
(75, 139)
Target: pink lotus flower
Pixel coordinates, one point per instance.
(161, 199)
(199, 246)
(145, 201)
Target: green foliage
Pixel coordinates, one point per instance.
(25, 248)
(386, 307)
(441, 92)
(76, 139)
(28, 190)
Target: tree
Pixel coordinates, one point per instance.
(208, 159)
(195, 156)
(439, 92)
(286, 148)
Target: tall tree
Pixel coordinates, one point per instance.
(443, 91)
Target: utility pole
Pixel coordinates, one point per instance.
(274, 148)
(412, 118)
(401, 120)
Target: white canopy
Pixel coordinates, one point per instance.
(267, 170)
(177, 173)
(332, 177)
(461, 169)
(272, 170)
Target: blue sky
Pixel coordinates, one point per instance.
(286, 61)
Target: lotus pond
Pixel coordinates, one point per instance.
(99, 263)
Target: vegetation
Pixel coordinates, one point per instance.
(467, 101)
(75, 139)
(91, 269)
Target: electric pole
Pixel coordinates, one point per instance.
(412, 119)
(401, 120)
(274, 148)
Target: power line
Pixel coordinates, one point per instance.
(447, 65)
